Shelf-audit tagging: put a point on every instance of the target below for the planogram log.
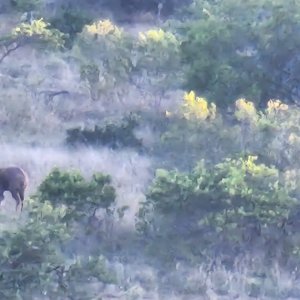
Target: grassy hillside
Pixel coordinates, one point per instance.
(161, 140)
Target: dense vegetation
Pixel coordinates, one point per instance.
(208, 92)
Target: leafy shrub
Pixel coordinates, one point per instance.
(72, 190)
(91, 266)
(29, 252)
(196, 130)
(155, 59)
(70, 22)
(34, 263)
(38, 32)
(228, 205)
(107, 48)
(199, 130)
(198, 107)
(112, 134)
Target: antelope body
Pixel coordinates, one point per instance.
(14, 180)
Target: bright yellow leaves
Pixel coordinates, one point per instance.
(41, 30)
(250, 165)
(199, 108)
(237, 173)
(276, 106)
(294, 139)
(245, 110)
(254, 169)
(103, 28)
(157, 36)
(196, 107)
(36, 27)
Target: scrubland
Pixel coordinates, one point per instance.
(161, 144)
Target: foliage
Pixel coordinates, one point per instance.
(156, 57)
(92, 266)
(236, 205)
(79, 195)
(232, 199)
(29, 252)
(198, 107)
(269, 133)
(25, 5)
(76, 278)
(103, 28)
(38, 31)
(33, 260)
(227, 182)
(113, 134)
(153, 42)
(70, 22)
(195, 130)
(106, 48)
(91, 74)
(245, 110)
(230, 48)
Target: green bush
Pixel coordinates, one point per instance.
(199, 130)
(226, 205)
(33, 261)
(113, 134)
(38, 32)
(155, 60)
(72, 190)
(30, 251)
(104, 47)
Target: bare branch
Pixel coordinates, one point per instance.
(7, 50)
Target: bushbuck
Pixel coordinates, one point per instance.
(14, 180)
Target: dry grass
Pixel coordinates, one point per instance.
(130, 172)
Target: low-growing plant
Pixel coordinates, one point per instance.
(31, 251)
(228, 205)
(34, 263)
(113, 134)
(81, 197)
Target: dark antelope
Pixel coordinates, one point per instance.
(14, 180)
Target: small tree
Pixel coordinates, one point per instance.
(156, 59)
(104, 50)
(36, 33)
(79, 195)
